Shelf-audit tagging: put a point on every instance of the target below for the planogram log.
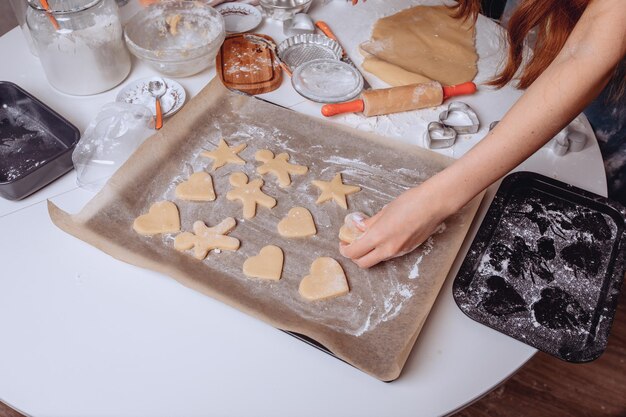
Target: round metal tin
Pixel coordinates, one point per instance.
(299, 49)
(327, 81)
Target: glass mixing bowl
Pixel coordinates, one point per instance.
(177, 38)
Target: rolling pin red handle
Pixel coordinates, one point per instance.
(354, 106)
(459, 89)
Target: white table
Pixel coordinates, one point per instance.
(86, 335)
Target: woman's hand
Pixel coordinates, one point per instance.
(400, 227)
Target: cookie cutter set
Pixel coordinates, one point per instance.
(457, 119)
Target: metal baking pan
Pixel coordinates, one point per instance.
(299, 49)
(546, 267)
(36, 143)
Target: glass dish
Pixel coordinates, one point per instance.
(177, 38)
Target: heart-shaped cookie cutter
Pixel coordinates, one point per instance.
(460, 117)
(439, 136)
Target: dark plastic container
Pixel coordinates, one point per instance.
(546, 266)
(36, 143)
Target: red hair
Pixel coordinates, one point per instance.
(554, 20)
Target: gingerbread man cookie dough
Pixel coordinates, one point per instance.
(204, 238)
(335, 190)
(225, 154)
(249, 193)
(279, 166)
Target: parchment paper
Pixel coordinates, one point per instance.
(375, 326)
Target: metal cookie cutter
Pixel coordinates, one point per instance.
(460, 117)
(439, 136)
(569, 139)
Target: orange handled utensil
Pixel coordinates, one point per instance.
(399, 99)
(323, 26)
(46, 6)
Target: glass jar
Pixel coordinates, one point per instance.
(19, 8)
(80, 44)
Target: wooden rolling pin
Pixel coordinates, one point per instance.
(399, 99)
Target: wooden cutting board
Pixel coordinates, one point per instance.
(248, 67)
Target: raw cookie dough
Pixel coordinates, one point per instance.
(162, 217)
(225, 154)
(349, 232)
(249, 193)
(335, 190)
(298, 223)
(268, 264)
(279, 166)
(199, 187)
(393, 75)
(428, 41)
(204, 238)
(325, 280)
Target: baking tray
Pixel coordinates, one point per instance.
(546, 267)
(375, 325)
(36, 143)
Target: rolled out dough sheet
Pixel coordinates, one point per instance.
(393, 75)
(426, 40)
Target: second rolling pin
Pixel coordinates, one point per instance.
(399, 99)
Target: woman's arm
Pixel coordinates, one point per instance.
(575, 77)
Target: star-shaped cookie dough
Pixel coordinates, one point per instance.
(335, 190)
(204, 238)
(225, 154)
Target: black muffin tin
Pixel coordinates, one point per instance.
(546, 266)
(36, 143)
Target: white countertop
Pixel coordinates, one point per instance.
(86, 335)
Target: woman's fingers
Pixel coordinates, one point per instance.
(372, 258)
(371, 220)
(358, 248)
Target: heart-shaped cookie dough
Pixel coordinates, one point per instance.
(268, 264)
(325, 280)
(161, 218)
(199, 187)
(298, 223)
